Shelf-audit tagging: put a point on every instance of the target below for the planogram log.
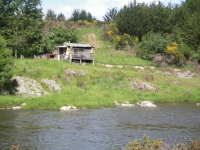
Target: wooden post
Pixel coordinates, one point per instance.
(80, 58)
(93, 58)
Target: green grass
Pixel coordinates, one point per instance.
(100, 86)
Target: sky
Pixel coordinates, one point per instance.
(97, 8)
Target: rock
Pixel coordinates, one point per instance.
(16, 107)
(81, 72)
(28, 87)
(23, 104)
(116, 103)
(126, 104)
(66, 108)
(52, 85)
(198, 104)
(109, 66)
(186, 74)
(4, 92)
(140, 85)
(138, 67)
(146, 104)
(118, 66)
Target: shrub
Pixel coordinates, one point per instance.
(146, 144)
(6, 63)
(151, 44)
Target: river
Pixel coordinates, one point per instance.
(98, 129)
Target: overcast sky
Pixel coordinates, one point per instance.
(97, 8)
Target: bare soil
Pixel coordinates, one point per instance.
(92, 40)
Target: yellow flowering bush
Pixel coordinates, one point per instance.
(94, 22)
(173, 50)
(110, 33)
(86, 23)
(117, 39)
(122, 40)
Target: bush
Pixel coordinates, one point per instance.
(153, 43)
(146, 144)
(6, 63)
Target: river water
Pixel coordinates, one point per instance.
(98, 129)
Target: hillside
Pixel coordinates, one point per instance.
(115, 76)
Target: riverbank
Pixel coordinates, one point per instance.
(99, 86)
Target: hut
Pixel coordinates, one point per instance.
(75, 52)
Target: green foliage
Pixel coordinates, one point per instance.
(110, 15)
(153, 43)
(21, 25)
(134, 19)
(146, 144)
(61, 17)
(6, 63)
(160, 16)
(81, 15)
(51, 15)
(186, 17)
(59, 35)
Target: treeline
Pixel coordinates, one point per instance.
(28, 31)
(168, 30)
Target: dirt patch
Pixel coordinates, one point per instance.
(92, 40)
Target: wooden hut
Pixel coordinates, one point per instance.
(75, 52)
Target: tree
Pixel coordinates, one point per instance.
(6, 63)
(58, 35)
(134, 19)
(21, 25)
(81, 15)
(61, 17)
(110, 15)
(51, 15)
(160, 15)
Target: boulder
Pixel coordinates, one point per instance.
(16, 107)
(27, 87)
(126, 104)
(52, 85)
(67, 108)
(140, 85)
(146, 104)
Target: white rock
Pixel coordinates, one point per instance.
(52, 85)
(146, 104)
(23, 104)
(139, 67)
(119, 66)
(198, 104)
(116, 103)
(126, 104)
(66, 108)
(28, 87)
(16, 107)
(109, 66)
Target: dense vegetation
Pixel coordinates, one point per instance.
(157, 27)
(6, 63)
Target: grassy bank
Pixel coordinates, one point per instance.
(101, 85)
